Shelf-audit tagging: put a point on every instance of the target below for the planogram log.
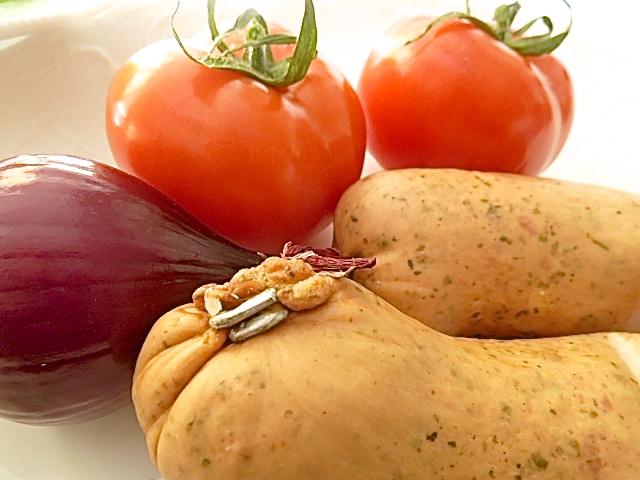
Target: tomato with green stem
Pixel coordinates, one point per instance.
(253, 133)
(458, 92)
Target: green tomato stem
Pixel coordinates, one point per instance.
(503, 31)
(258, 61)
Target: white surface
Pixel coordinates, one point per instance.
(603, 147)
(26, 17)
(56, 69)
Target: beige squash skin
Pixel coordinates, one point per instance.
(356, 390)
(496, 255)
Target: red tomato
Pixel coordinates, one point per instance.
(458, 97)
(259, 165)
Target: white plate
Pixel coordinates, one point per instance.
(25, 17)
(603, 149)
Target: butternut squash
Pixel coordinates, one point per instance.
(355, 389)
(494, 254)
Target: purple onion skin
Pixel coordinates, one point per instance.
(90, 258)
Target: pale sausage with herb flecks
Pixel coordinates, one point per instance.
(496, 254)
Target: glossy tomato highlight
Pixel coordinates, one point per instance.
(257, 163)
(456, 94)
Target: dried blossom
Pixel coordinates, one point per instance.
(328, 261)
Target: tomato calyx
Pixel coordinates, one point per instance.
(257, 59)
(503, 31)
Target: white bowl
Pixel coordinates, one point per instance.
(57, 59)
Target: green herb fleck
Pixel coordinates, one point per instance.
(483, 181)
(382, 244)
(493, 209)
(597, 242)
(575, 446)
(539, 461)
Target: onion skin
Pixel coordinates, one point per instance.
(90, 258)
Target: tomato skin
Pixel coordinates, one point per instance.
(259, 165)
(457, 97)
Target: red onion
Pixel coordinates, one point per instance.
(90, 257)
